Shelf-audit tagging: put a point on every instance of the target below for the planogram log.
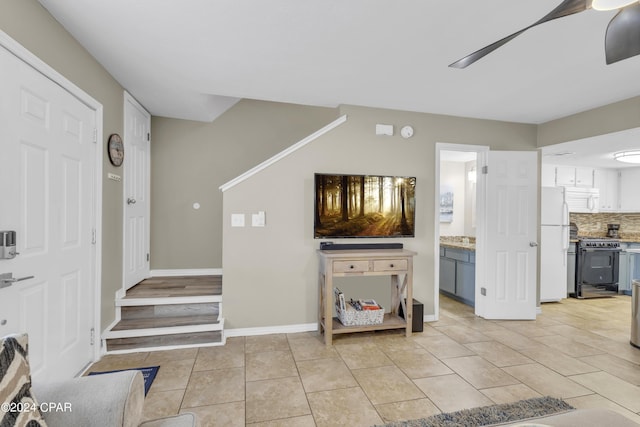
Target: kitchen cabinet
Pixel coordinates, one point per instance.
(571, 268)
(629, 198)
(548, 175)
(606, 180)
(568, 176)
(458, 274)
(629, 266)
(624, 285)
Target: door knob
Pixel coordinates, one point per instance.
(131, 201)
(533, 244)
(7, 279)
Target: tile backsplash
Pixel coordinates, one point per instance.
(595, 225)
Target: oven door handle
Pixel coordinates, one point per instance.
(598, 250)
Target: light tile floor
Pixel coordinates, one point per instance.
(577, 350)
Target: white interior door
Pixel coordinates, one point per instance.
(507, 289)
(136, 192)
(48, 152)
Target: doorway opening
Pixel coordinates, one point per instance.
(459, 222)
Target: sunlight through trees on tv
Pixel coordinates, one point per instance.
(364, 206)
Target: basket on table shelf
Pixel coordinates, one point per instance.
(349, 316)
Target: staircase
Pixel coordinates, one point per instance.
(168, 313)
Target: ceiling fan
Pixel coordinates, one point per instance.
(622, 39)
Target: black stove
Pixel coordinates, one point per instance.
(599, 243)
(597, 263)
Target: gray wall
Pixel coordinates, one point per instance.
(27, 22)
(610, 118)
(189, 162)
(270, 273)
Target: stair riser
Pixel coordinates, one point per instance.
(119, 344)
(169, 310)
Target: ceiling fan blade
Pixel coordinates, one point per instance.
(622, 40)
(566, 8)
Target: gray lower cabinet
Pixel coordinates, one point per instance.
(448, 275)
(466, 281)
(458, 274)
(624, 284)
(629, 266)
(571, 269)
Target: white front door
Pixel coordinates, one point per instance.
(507, 289)
(47, 193)
(136, 192)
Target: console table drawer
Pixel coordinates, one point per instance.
(390, 265)
(355, 266)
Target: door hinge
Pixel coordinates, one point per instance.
(147, 257)
(485, 170)
(92, 336)
(148, 136)
(93, 236)
(95, 135)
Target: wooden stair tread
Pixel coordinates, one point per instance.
(165, 322)
(159, 342)
(168, 312)
(181, 286)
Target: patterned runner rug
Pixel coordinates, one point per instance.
(487, 415)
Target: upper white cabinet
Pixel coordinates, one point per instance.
(568, 176)
(629, 195)
(606, 180)
(548, 175)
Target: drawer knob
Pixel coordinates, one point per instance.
(391, 265)
(352, 266)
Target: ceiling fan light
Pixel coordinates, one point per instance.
(628, 156)
(611, 4)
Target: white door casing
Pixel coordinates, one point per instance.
(136, 192)
(509, 257)
(50, 191)
(480, 202)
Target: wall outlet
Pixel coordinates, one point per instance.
(237, 220)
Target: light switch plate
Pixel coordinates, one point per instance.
(258, 219)
(237, 220)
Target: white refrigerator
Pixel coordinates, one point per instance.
(554, 243)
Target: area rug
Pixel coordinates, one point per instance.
(149, 374)
(488, 415)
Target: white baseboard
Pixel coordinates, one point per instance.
(285, 329)
(186, 272)
(429, 318)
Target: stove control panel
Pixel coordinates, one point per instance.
(604, 244)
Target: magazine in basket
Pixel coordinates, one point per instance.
(357, 312)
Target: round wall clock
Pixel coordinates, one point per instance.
(115, 148)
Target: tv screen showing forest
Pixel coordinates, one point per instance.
(364, 206)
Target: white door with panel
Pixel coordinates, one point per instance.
(47, 186)
(136, 192)
(510, 257)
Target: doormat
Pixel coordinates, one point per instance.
(148, 373)
(494, 414)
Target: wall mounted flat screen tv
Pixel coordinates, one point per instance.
(364, 206)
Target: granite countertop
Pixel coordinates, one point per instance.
(458, 242)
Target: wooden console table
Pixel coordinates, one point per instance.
(367, 262)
